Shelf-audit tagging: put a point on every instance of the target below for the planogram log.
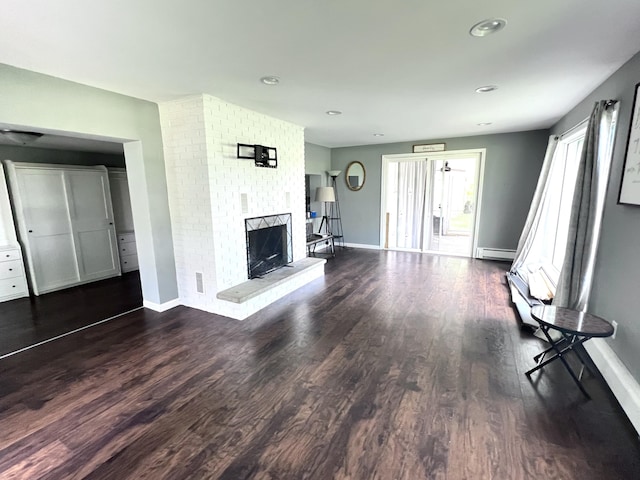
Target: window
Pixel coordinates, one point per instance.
(562, 179)
(548, 250)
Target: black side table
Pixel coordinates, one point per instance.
(575, 329)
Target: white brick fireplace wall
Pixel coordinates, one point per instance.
(206, 182)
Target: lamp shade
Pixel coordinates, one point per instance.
(325, 194)
(334, 173)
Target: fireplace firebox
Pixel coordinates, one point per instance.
(268, 243)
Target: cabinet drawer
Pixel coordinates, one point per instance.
(128, 248)
(12, 286)
(129, 262)
(10, 255)
(11, 269)
(126, 237)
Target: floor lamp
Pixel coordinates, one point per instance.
(328, 196)
(334, 212)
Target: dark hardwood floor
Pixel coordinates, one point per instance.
(394, 366)
(27, 321)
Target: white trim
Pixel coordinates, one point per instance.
(479, 191)
(409, 157)
(161, 307)
(363, 245)
(625, 388)
(495, 253)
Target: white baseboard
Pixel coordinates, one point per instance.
(620, 381)
(362, 245)
(161, 307)
(495, 253)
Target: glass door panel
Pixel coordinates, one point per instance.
(452, 211)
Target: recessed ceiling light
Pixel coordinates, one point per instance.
(270, 80)
(486, 89)
(484, 124)
(378, 134)
(334, 112)
(487, 27)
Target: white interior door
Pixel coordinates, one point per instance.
(93, 225)
(50, 246)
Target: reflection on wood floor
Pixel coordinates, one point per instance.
(394, 366)
(27, 321)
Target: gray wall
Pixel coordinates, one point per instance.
(59, 157)
(512, 167)
(32, 101)
(317, 159)
(615, 290)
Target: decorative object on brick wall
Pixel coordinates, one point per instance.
(263, 156)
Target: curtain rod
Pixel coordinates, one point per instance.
(586, 120)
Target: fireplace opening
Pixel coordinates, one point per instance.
(268, 243)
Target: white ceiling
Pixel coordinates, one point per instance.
(405, 68)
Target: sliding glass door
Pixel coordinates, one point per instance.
(430, 202)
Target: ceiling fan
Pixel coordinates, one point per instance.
(447, 168)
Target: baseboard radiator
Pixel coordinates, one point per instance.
(495, 254)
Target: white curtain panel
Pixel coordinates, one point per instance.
(531, 232)
(412, 187)
(576, 274)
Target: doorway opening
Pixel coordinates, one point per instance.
(66, 227)
(431, 202)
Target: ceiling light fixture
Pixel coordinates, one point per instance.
(333, 112)
(270, 80)
(487, 27)
(378, 134)
(486, 89)
(484, 124)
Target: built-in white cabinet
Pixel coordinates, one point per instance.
(128, 252)
(123, 219)
(65, 224)
(13, 283)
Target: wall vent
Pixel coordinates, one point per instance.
(244, 203)
(199, 283)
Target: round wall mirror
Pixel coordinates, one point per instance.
(355, 176)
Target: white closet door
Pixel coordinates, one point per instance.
(50, 248)
(92, 220)
(121, 200)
